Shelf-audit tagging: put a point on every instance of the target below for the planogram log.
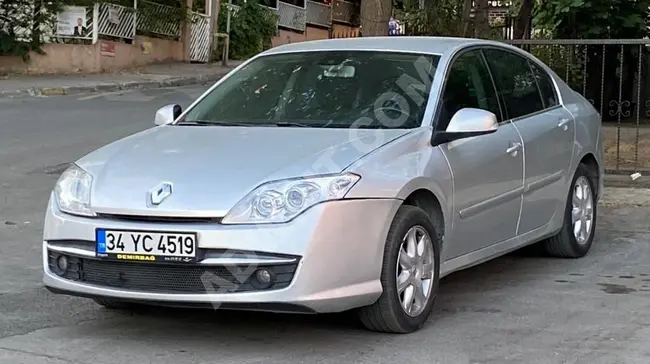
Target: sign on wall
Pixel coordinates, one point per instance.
(107, 49)
(113, 15)
(71, 22)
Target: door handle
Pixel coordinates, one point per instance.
(514, 148)
(563, 124)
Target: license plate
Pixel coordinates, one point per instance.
(146, 246)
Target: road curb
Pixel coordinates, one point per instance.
(617, 180)
(111, 87)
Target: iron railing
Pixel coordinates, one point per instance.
(158, 19)
(613, 75)
(116, 21)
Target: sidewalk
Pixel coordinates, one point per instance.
(153, 76)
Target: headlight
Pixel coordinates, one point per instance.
(281, 201)
(72, 191)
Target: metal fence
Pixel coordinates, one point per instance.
(116, 21)
(292, 17)
(158, 19)
(613, 75)
(200, 37)
(102, 20)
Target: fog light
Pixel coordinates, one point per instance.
(264, 276)
(62, 263)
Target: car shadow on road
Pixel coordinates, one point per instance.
(462, 291)
(469, 290)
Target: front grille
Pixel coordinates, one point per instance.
(167, 278)
(162, 219)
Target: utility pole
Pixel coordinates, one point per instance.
(226, 46)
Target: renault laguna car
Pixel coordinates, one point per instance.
(333, 175)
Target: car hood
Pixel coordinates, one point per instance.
(212, 168)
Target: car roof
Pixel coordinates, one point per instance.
(427, 45)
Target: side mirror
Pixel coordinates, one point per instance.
(167, 114)
(467, 123)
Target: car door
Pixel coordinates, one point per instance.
(547, 129)
(487, 170)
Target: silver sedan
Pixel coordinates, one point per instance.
(333, 175)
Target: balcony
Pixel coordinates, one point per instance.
(346, 12)
(318, 13)
(292, 16)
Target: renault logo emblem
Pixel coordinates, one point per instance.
(159, 193)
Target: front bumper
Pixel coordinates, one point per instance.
(330, 258)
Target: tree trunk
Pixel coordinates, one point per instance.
(375, 15)
(522, 21)
(463, 29)
(481, 25)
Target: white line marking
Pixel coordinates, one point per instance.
(90, 97)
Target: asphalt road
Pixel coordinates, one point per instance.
(516, 309)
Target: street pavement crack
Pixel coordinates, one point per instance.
(47, 356)
(45, 328)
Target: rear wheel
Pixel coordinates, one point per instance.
(577, 233)
(409, 277)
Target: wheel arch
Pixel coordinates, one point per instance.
(589, 160)
(432, 200)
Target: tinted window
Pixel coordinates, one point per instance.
(516, 83)
(468, 85)
(546, 86)
(324, 89)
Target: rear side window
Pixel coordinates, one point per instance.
(516, 83)
(546, 87)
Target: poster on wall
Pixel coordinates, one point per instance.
(71, 22)
(113, 15)
(146, 47)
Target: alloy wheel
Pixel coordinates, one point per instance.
(582, 212)
(415, 270)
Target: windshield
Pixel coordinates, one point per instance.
(341, 89)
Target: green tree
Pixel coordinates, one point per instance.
(19, 26)
(251, 29)
(593, 19)
(598, 19)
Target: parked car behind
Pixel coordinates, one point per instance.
(333, 175)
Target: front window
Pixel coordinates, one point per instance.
(339, 89)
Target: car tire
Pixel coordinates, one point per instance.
(113, 304)
(582, 200)
(388, 314)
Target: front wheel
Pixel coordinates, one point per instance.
(409, 276)
(577, 233)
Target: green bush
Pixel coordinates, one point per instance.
(251, 29)
(19, 34)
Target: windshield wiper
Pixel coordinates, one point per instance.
(293, 123)
(213, 123)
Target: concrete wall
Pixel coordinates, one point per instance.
(315, 33)
(311, 33)
(143, 51)
(344, 31)
(74, 58)
(82, 58)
